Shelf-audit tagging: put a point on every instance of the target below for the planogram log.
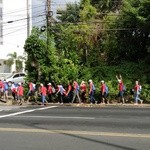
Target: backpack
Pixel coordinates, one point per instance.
(53, 90)
(61, 90)
(140, 88)
(124, 88)
(93, 87)
(33, 87)
(106, 89)
(78, 87)
(6, 86)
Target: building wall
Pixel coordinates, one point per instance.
(1, 22)
(3, 67)
(14, 22)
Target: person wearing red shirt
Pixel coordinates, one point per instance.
(69, 93)
(43, 92)
(103, 93)
(137, 93)
(49, 92)
(20, 91)
(1, 88)
(76, 91)
(31, 91)
(121, 90)
(83, 91)
(91, 92)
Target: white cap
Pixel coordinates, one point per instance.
(119, 80)
(90, 80)
(82, 82)
(102, 81)
(49, 84)
(41, 84)
(19, 83)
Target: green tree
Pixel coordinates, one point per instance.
(17, 60)
(70, 14)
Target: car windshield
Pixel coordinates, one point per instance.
(10, 76)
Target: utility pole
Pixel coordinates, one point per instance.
(28, 19)
(48, 18)
(49, 12)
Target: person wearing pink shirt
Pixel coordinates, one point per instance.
(137, 89)
(83, 91)
(103, 92)
(31, 91)
(1, 88)
(20, 91)
(43, 92)
(121, 88)
(76, 91)
(69, 93)
(92, 91)
(49, 91)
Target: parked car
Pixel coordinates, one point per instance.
(16, 78)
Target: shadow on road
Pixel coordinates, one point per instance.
(85, 138)
(99, 142)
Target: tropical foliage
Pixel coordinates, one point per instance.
(94, 39)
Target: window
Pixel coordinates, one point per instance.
(16, 76)
(22, 74)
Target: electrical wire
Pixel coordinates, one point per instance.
(22, 27)
(22, 19)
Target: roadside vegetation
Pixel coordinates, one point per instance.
(94, 39)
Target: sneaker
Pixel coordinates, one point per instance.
(141, 101)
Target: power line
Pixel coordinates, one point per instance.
(11, 21)
(10, 27)
(23, 9)
(22, 27)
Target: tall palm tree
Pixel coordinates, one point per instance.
(17, 60)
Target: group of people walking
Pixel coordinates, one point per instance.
(73, 91)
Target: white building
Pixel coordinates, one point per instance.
(14, 25)
(13, 28)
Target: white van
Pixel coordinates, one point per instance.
(16, 78)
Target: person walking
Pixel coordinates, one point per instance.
(83, 91)
(5, 91)
(14, 90)
(31, 90)
(20, 91)
(61, 93)
(76, 91)
(104, 92)
(1, 88)
(49, 92)
(69, 93)
(137, 90)
(43, 92)
(121, 88)
(91, 91)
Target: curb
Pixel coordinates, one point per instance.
(10, 103)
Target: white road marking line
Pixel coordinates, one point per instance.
(27, 111)
(57, 117)
(89, 133)
(44, 108)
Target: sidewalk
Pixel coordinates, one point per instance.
(10, 103)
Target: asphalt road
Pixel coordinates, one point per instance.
(74, 128)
